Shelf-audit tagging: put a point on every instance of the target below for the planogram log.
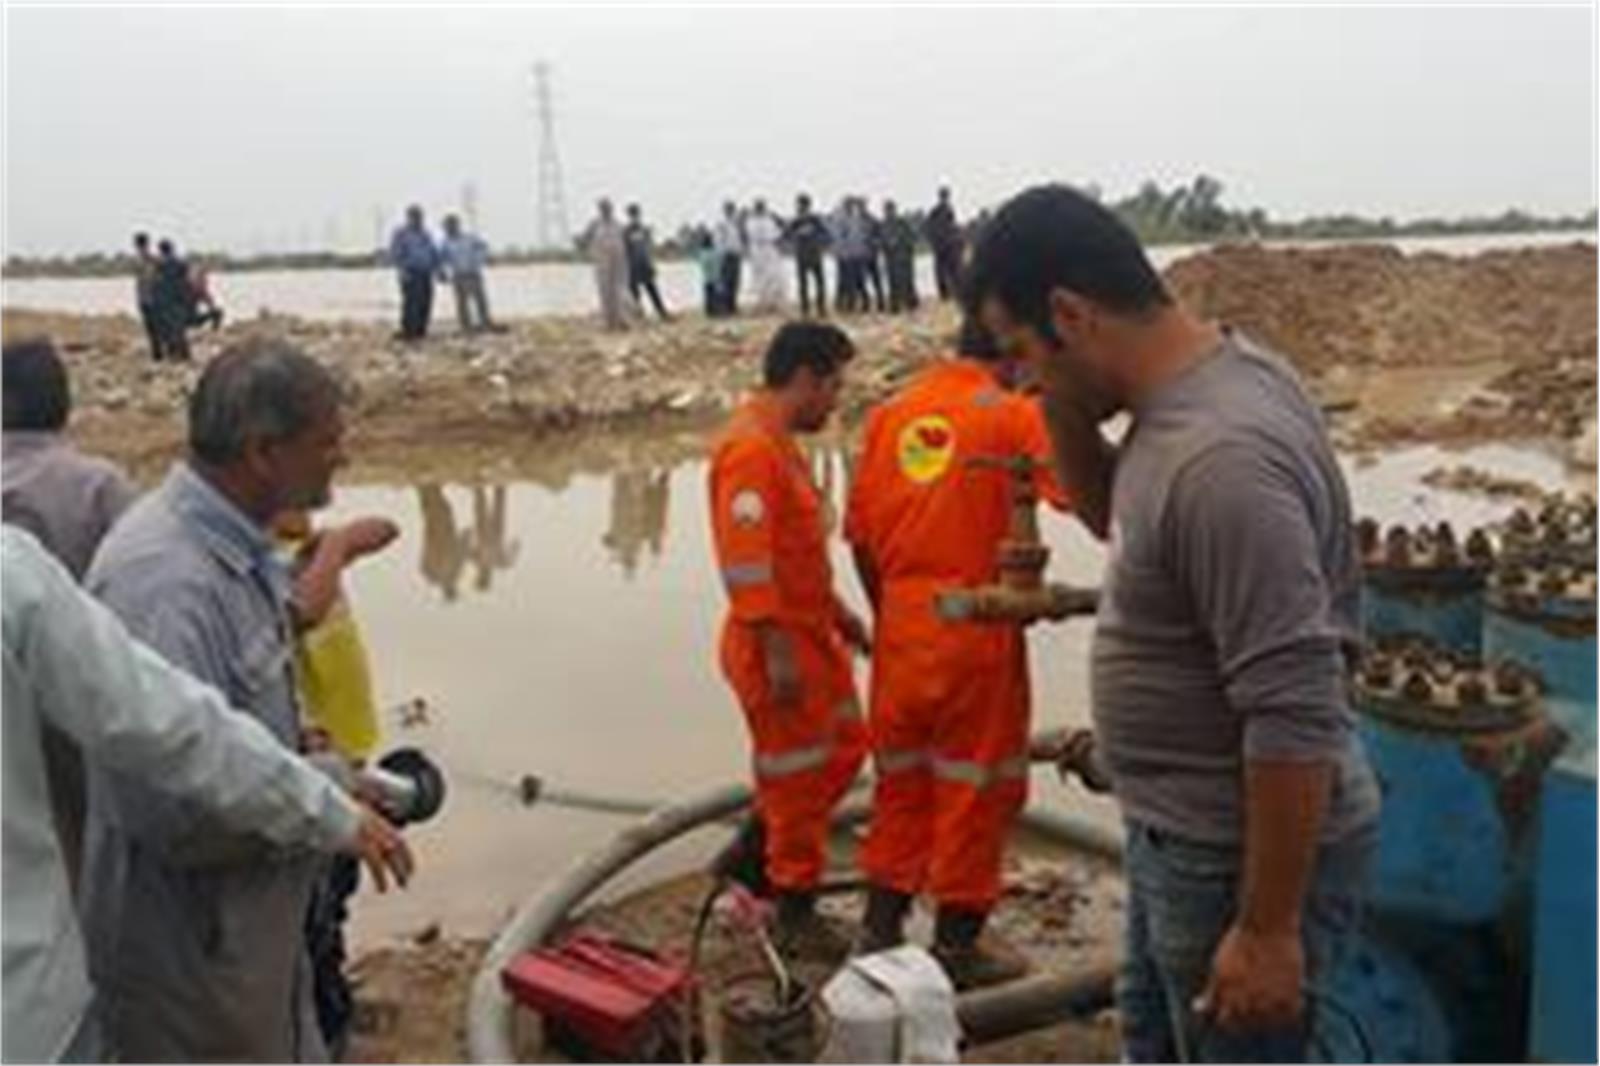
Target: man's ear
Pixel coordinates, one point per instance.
(257, 456)
(1070, 313)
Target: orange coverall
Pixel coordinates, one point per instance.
(771, 544)
(949, 700)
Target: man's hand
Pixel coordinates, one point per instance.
(854, 630)
(782, 666)
(1257, 981)
(382, 849)
(364, 536)
(1074, 755)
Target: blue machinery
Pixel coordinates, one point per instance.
(1478, 709)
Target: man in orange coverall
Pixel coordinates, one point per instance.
(949, 700)
(786, 640)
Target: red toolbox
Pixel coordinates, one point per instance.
(604, 999)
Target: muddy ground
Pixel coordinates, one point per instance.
(1064, 914)
(1411, 348)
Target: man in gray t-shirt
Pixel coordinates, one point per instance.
(1227, 615)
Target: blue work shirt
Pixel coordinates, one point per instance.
(464, 254)
(195, 933)
(412, 251)
(70, 664)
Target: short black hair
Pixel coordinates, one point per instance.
(975, 342)
(37, 393)
(165, 246)
(820, 346)
(141, 238)
(1054, 237)
(260, 387)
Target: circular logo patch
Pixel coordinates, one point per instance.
(927, 445)
(747, 508)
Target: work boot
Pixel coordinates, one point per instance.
(883, 924)
(744, 860)
(803, 935)
(956, 944)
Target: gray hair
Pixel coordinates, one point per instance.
(261, 387)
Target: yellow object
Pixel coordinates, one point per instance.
(337, 682)
(331, 661)
(926, 446)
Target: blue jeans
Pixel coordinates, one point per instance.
(1182, 895)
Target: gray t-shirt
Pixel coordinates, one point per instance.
(1230, 601)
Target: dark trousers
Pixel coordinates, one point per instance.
(416, 303)
(172, 326)
(645, 281)
(947, 269)
(152, 330)
(902, 270)
(730, 284)
(809, 269)
(713, 299)
(852, 285)
(872, 274)
(325, 944)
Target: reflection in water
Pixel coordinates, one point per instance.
(444, 549)
(639, 499)
(488, 545)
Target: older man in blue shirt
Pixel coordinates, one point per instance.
(70, 665)
(195, 935)
(417, 260)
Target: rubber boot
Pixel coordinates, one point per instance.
(956, 936)
(803, 935)
(883, 924)
(744, 859)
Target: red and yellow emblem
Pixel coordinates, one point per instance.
(926, 446)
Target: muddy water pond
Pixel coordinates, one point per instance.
(570, 632)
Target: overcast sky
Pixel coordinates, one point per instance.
(250, 128)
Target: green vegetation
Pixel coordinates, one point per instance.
(1195, 214)
(1184, 214)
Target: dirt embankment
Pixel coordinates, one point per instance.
(1524, 319)
(466, 402)
(1426, 347)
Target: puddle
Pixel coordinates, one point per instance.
(571, 633)
(1389, 486)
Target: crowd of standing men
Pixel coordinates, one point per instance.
(874, 267)
(741, 257)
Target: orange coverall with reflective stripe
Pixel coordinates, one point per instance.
(949, 700)
(771, 544)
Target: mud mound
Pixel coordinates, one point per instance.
(1361, 306)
